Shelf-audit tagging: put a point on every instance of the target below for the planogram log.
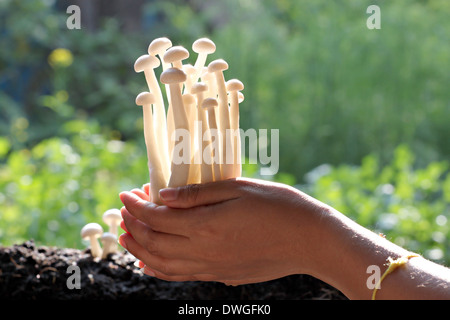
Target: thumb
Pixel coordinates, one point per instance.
(194, 195)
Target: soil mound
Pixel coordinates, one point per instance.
(31, 272)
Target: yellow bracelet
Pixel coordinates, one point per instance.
(393, 265)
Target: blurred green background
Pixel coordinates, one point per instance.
(363, 114)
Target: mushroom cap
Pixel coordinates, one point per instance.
(210, 103)
(173, 75)
(203, 45)
(189, 69)
(91, 229)
(146, 61)
(234, 85)
(108, 237)
(199, 87)
(112, 215)
(176, 53)
(159, 45)
(142, 99)
(240, 97)
(217, 65)
(188, 99)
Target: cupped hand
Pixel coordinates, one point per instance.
(234, 231)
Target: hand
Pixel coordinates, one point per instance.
(232, 231)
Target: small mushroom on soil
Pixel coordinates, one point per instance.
(109, 241)
(112, 218)
(93, 231)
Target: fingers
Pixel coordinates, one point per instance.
(158, 218)
(200, 194)
(146, 188)
(160, 267)
(141, 194)
(164, 268)
(156, 243)
(178, 277)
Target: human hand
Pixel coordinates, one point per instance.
(232, 231)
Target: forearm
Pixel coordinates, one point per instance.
(349, 250)
(245, 231)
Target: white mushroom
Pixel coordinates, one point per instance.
(175, 55)
(157, 178)
(112, 218)
(204, 139)
(233, 87)
(174, 77)
(92, 231)
(148, 63)
(203, 47)
(210, 104)
(158, 47)
(217, 67)
(109, 242)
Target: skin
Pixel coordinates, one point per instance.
(242, 231)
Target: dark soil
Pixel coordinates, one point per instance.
(31, 272)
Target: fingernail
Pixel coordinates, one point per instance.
(168, 194)
(122, 242)
(122, 225)
(122, 194)
(139, 264)
(147, 271)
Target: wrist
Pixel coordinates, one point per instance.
(348, 251)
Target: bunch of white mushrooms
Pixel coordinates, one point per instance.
(93, 231)
(197, 139)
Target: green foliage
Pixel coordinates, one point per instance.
(410, 206)
(50, 191)
(95, 76)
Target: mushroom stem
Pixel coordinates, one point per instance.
(216, 67)
(208, 79)
(210, 104)
(157, 180)
(173, 57)
(233, 87)
(96, 250)
(191, 112)
(204, 137)
(147, 64)
(158, 47)
(190, 72)
(180, 170)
